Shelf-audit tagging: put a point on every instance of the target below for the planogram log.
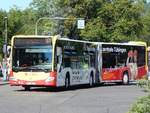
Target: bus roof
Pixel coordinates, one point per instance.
(58, 37)
(126, 43)
(130, 43)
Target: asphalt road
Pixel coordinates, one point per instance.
(101, 99)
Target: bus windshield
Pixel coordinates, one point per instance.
(36, 58)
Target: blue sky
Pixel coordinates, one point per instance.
(8, 4)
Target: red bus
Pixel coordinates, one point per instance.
(123, 62)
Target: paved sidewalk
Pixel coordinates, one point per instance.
(2, 82)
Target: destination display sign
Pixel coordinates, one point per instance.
(31, 41)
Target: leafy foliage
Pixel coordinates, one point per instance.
(117, 20)
(3, 14)
(141, 106)
(144, 83)
(44, 7)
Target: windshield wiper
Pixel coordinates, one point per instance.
(17, 69)
(38, 68)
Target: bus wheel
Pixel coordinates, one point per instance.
(67, 82)
(27, 88)
(91, 81)
(125, 78)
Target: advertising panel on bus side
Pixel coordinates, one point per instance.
(120, 59)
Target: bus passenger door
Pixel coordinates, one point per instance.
(60, 77)
(99, 64)
(85, 69)
(59, 59)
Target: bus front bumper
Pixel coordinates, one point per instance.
(16, 82)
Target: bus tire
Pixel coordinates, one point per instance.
(27, 88)
(91, 80)
(67, 81)
(125, 78)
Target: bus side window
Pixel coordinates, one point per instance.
(66, 62)
(85, 62)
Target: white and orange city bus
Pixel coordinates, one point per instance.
(52, 61)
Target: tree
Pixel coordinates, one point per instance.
(46, 8)
(146, 20)
(3, 14)
(28, 19)
(21, 22)
(107, 20)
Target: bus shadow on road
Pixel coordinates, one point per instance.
(58, 89)
(72, 88)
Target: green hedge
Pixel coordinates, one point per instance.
(143, 104)
(144, 83)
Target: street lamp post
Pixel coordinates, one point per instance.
(5, 51)
(52, 18)
(6, 36)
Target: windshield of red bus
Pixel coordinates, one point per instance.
(35, 57)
